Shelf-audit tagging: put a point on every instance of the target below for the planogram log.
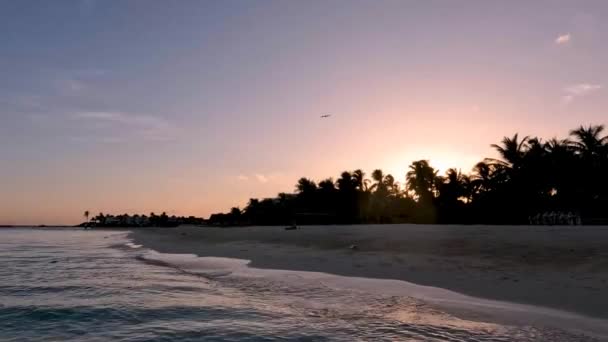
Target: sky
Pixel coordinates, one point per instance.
(193, 107)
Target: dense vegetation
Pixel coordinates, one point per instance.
(125, 220)
(532, 176)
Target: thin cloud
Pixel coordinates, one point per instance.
(146, 121)
(146, 127)
(582, 88)
(579, 90)
(111, 116)
(71, 85)
(563, 39)
(74, 81)
(100, 140)
(261, 178)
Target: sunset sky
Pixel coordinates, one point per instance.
(192, 107)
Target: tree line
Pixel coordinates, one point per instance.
(137, 220)
(531, 176)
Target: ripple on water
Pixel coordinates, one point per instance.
(97, 293)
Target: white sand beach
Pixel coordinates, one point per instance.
(555, 267)
(552, 277)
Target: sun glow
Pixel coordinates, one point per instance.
(440, 161)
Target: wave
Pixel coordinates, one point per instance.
(207, 267)
(472, 312)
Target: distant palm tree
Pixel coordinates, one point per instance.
(558, 145)
(346, 182)
(534, 165)
(535, 149)
(305, 186)
(481, 178)
(101, 219)
(389, 183)
(360, 181)
(86, 215)
(253, 202)
(592, 150)
(283, 197)
(455, 186)
(327, 185)
(589, 140)
(378, 186)
(511, 150)
(422, 180)
(378, 176)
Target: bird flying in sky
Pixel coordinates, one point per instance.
(325, 116)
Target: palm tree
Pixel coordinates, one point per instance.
(535, 150)
(360, 181)
(379, 186)
(101, 219)
(327, 185)
(560, 162)
(535, 167)
(346, 182)
(592, 149)
(558, 145)
(589, 140)
(252, 208)
(307, 193)
(390, 184)
(235, 211)
(488, 176)
(305, 186)
(511, 151)
(378, 176)
(422, 180)
(163, 219)
(455, 186)
(481, 178)
(86, 215)
(528, 176)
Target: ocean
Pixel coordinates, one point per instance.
(77, 285)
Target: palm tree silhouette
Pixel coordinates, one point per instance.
(455, 186)
(422, 180)
(389, 184)
(327, 185)
(511, 150)
(589, 140)
(592, 149)
(306, 185)
(529, 177)
(360, 181)
(378, 186)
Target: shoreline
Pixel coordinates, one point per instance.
(455, 309)
(562, 268)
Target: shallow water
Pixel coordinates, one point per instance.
(74, 285)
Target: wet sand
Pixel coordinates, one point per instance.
(555, 267)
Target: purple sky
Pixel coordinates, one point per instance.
(195, 106)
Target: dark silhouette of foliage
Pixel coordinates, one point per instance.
(531, 176)
(153, 220)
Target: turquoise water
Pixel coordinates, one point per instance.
(75, 285)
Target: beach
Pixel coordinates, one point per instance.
(69, 284)
(555, 267)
